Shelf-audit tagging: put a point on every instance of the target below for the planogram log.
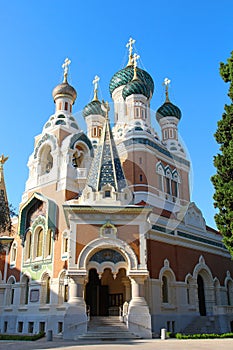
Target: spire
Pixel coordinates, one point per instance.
(65, 66)
(166, 83)
(5, 220)
(129, 45)
(135, 64)
(95, 83)
(106, 167)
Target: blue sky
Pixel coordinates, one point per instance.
(182, 40)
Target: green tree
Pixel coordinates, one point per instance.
(223, 161)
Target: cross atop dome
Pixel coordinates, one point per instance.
(65, 66)
(95, 83)
(166, 83)
(3, 160)
(129, 45)
(135, 64)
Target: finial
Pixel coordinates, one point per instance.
(3, 160)
(105, 107)
(166, 83)
(135, 64)
(65, 66)
(95, 82)
(130, 46)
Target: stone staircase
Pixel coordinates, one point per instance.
(107, 328)
(203, 324)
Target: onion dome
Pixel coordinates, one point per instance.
(168, 109)
(125, 75)
(136, 86)
(64, 90)
(93, 107)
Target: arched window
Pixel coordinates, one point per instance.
(230, 292)
(39, 237)
(27, 247)
(65, 247)
(10, 291)
(45, 289)
(46, 160)
(13, 254)
(24, 290)
(63, 288)
(164, 289)
(48, 243)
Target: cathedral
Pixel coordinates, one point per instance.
(106, 227)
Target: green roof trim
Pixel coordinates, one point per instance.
(50, 218)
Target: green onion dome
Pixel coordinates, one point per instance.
(136, 86)
(168, 109)
(64, 90)
(93, 107)
(125, 75)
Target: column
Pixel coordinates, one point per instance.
(75, 320)
(139, 319)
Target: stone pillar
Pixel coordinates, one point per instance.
(139, 318)
(75, 320)
(126, 282)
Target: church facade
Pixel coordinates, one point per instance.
(106, 226)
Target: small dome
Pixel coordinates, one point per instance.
(168, 110)
(136, 87)
(125, 75)
(64, 89)
(94, 107)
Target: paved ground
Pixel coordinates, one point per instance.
(168, 344)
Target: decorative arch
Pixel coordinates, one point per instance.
(101, 243)
(24, 293)
(229, 289)
(167, 280)
(202, 269)
(81, 137)
(49, 139)
(45, 288)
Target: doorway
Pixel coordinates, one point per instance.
(106, 295)
(201, 295)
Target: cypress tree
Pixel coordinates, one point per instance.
(223, 162)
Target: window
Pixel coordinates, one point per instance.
(164, 290)
(5, 326)
(188, 292)
(66, 106)
(28, 243)
(60, 327)
(170, 133)
(230, 293)
(48, 290)
(20, 327)
(46, 159)
(30, 327)
(59, 106)
(39, 242)
(10, 291)
(137, 112)
(48, 243)
(174, 188)
(45, 289)
(107, 194)
(100, 132)
(168, 187)
(70, 108)
(140, 177)
(165, 134)
(65, 245)
(94, 131)
(24, 290)
(42, 327)
(63, 288)
(13, 253)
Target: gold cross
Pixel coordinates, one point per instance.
(130, 46)
(95, 82)
(166, 82)
(3, 159)
(65, 66)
